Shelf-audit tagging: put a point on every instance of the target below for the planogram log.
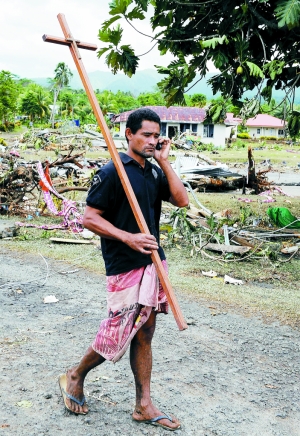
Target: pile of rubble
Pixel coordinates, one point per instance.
(20, 181)
(230, 239)
(30, 188)
(201, 173)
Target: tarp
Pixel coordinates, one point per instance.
(282, 217)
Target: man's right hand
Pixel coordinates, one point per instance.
(142, 242)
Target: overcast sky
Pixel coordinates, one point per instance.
(24, 22)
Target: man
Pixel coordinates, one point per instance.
(134, 294)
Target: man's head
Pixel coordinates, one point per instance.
(135, 119)
(142, 134)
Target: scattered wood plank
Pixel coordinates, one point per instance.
(227, 248)
(242, 241)
(290, 250)
(70, 241)
(72, 188)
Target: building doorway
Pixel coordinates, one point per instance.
(172, 131)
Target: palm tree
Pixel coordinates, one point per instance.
(61, 79)
(42, 100)
(107, 102)
(34, 103)
(67, 100)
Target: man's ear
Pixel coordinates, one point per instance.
(128, 133)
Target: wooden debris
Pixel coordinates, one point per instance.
(198, 181)
(259, 181)
(72, 188)
(227, 248)
(242, 241)
(290, 250)
(70, 241)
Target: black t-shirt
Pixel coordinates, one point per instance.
(106, 193)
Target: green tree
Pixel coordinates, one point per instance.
(107, 102)
(8, 97)
(61, 79)
(35, 103)
(151, 99)
(253, 43)
(67, 100)
(125, 101)
(197, 100)
(217, 109)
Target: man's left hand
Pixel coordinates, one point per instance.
(163, 153)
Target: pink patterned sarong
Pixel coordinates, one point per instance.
(131, 298)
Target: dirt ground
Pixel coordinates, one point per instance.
(226, 375)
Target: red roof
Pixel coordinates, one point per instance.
(172, 113)
(265, 120)
(232, 120)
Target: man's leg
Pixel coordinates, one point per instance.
(141, 365)
(76, 376)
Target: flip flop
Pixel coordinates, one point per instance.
(62, 381)
(154, 421)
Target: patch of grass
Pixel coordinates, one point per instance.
(217, 202)
(276, 154)
(36, 241)
(270, 289)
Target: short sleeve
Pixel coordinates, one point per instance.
(101, 193)
(164, 189)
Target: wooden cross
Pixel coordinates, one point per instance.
(74, 45)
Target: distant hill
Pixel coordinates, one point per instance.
(144, 81)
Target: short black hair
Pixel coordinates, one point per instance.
(135, 119)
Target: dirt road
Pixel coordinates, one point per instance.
(226, 375)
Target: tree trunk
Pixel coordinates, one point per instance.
(252, 179)
(55, 92)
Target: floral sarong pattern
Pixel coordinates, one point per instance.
(131, 297)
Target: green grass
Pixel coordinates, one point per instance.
(217, 202)
(277, 153)
(270, 289)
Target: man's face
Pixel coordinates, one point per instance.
(144, 141)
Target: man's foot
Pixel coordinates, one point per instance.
(71, 386)
(152, 415)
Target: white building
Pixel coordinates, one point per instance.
(176, 120)
(265, 125)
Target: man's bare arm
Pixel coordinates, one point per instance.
(93, 220)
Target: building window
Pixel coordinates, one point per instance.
(163, 130)
(258, 131)
(280, 132)
(172, 131)
(184, 127)
(195, 128)
(208, 131)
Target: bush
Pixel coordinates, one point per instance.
(243, 135)
(205, 147)
(3, 142)
(239, 144)
(270, 138)
(7, 126)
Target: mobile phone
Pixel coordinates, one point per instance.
(159, 145)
